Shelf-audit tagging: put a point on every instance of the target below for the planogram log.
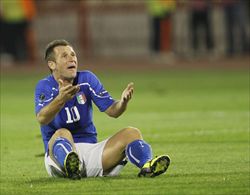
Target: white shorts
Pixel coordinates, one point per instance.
(90, 154)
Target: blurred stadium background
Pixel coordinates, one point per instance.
(167, 33)
(192, 89)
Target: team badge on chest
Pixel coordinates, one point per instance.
(81, 98)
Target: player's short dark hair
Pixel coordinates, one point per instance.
(49, 52)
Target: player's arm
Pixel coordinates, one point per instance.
(118, 107)
(66, 92)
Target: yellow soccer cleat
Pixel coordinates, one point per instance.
(72, 166)
(155, 167)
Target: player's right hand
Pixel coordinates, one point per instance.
(66, 90)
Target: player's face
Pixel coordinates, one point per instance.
(65, 63)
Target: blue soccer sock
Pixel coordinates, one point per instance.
(60, 149)
(138, 152)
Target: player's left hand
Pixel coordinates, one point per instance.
(127, 93)
(118, 107)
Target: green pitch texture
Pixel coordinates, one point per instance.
(199, 118)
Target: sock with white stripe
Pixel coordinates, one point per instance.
(60, 149)
(138, 152)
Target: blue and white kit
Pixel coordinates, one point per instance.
(76, 115)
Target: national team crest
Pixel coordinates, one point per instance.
(81, 98)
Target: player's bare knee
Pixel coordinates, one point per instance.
(62, 133)
(133, 133)
(65, 133)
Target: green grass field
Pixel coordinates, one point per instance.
(199, 118)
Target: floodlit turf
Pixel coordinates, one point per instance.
(199, 118)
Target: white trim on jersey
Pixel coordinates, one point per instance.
(53, 88)
(48, 100)
(92, 90)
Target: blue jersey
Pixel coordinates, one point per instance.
(76, 115)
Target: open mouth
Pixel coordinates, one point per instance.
(71, 67)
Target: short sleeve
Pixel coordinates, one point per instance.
(99, 95)
(44, 94)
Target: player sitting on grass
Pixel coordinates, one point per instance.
(63, 105)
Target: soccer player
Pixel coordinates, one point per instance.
(63, 105)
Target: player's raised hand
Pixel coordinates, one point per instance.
(118, 107)
(127, 93)
(66, 90)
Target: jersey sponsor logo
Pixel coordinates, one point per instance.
(42, 98)
(81, 98)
